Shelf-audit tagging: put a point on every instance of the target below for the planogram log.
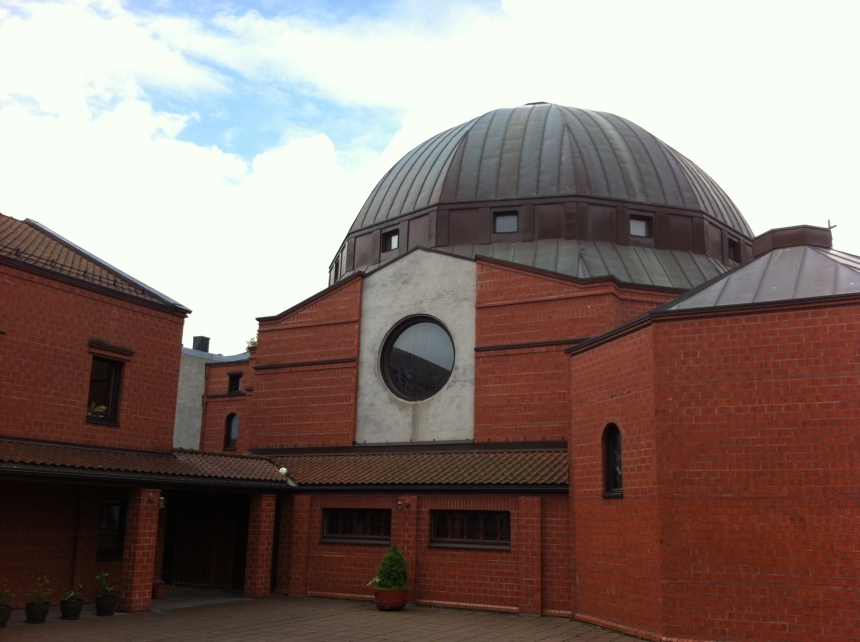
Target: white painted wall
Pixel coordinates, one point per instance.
(440, 286)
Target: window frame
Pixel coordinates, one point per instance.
(733, 250)
(497, 216)
(385, 240)
(364, 540)
(613, 463)
(112, 394)
(649, 226)
(503, 519)
(234, 383)
(229, 441)
(104, 555)
(388, 344)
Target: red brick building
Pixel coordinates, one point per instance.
(90, 362)
(553, 366)
(556, 369)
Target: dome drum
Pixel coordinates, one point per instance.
(450, 225)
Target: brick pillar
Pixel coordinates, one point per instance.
(404, 533)
(138, 558)
(301, 545)
(527, 528)
(285, 546)
(261, 535)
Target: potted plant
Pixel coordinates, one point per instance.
(159, 588)
(5, 603)
(106, 599)
(37, 608)
(71, 603)
(390, 581)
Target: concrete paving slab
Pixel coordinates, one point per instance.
(300, 619)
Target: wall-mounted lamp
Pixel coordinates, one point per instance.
(402, 505)
(162, 503)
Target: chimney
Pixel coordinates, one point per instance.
(201, 343)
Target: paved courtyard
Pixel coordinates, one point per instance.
(306, 620)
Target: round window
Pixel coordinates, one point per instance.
(417, 358)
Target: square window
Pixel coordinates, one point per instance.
(356, 526)
(641, 226)
(111, 530)
(734, 251)
(390, 240)
(505, 222)
(234, 384)
(470, 529)
(105, 381)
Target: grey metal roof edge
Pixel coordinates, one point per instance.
(325, 291)
(242, 356)
(569, 277)
(105, 265)
(416, 448)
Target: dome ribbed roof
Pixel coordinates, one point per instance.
(543, 150)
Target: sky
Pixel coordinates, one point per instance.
(219, 151)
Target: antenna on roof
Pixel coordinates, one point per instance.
(829, 226)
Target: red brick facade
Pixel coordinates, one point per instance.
(53, 329)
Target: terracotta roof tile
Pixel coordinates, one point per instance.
(31, 243)
(178, 463)
(440, 468)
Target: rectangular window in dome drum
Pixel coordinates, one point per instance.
(390, 240)
(505, 222)
(641, 226)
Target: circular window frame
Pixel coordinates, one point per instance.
(391, 338)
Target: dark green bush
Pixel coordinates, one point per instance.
(391, 573)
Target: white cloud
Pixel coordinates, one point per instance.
(761, 95)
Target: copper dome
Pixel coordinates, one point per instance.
(586, 164)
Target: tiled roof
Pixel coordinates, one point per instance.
(31, 243)
(178, 463)
(784, 274)
(438, 468)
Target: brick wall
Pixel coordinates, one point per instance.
(218, 404)
(523, 579)
(522, 393)
(306, 372)
(52, 529)
(46, 361)
(760, 443)
(617, 540)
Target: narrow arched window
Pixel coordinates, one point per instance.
(612, 480)
(231, 431)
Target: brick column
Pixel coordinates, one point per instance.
(285, 546)
(404, 533)
(261, 534)
(301, 544)
(138, 558)
(528, 546)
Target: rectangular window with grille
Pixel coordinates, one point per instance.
(470, 529)
(356, 526)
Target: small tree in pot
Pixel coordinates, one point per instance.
(71, 603)
(390, 581)
(106, 600)
(5, 603)
(37, 608)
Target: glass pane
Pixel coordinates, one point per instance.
(333, 523)
(376, 525)
(505, 223)
(421, 360)
(361, 524)
(639, 227)
(441, 529)
(491, 531)
(346, 524)
(473, 527)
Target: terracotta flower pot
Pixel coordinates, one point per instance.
(36, 612)
(71, 609)
(390, 599)
(158, 591)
